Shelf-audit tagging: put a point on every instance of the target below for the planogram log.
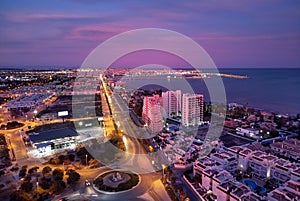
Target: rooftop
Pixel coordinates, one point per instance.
(246, 151)
(241, 190)
(250, 196)
(223, 176)
(53, 134)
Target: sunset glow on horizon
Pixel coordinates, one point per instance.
(235, 33)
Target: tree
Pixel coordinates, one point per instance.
(20, 196)
(54, 161)
(58, 186)
(58, 174)
(27, 178)
(27, 186)
(82, 152)
(23, 172)
(46, 170)
(93, 162)
(33, 170)
(45, 183)
(24, 167)
(73, 177)
(182, 195)
(274, 133)
(61, 158)
(71, 157)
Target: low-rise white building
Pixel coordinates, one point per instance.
(46, 142)
(242, 154)
(201, 164)
(282, 170)
(295, 174)
(261, 164)
(232, 191)
(227, 160)
(288, 192)
(289, 148)
(248, 132)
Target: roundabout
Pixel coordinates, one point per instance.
(115, 181)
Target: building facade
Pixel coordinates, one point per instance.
(152, 113)
(192, 109)
(288, 148)
(171, 103)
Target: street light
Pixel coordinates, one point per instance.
(37, 184)
(163, 170)
(86, 159)
(125, 142)
(35, 112)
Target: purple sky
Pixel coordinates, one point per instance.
(248, 33)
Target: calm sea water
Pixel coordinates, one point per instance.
(276, 90)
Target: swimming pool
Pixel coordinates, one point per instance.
(252, 184)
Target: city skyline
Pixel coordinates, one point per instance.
(235, 34)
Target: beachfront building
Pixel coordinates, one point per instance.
(152, 113)
(192, 109)
(172, 103)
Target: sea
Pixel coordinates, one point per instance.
(276, 90)
(273, 90)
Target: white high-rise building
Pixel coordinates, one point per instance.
(192, 109)
(172, 102)
(152, 113)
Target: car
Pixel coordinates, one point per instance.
(87, 183)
